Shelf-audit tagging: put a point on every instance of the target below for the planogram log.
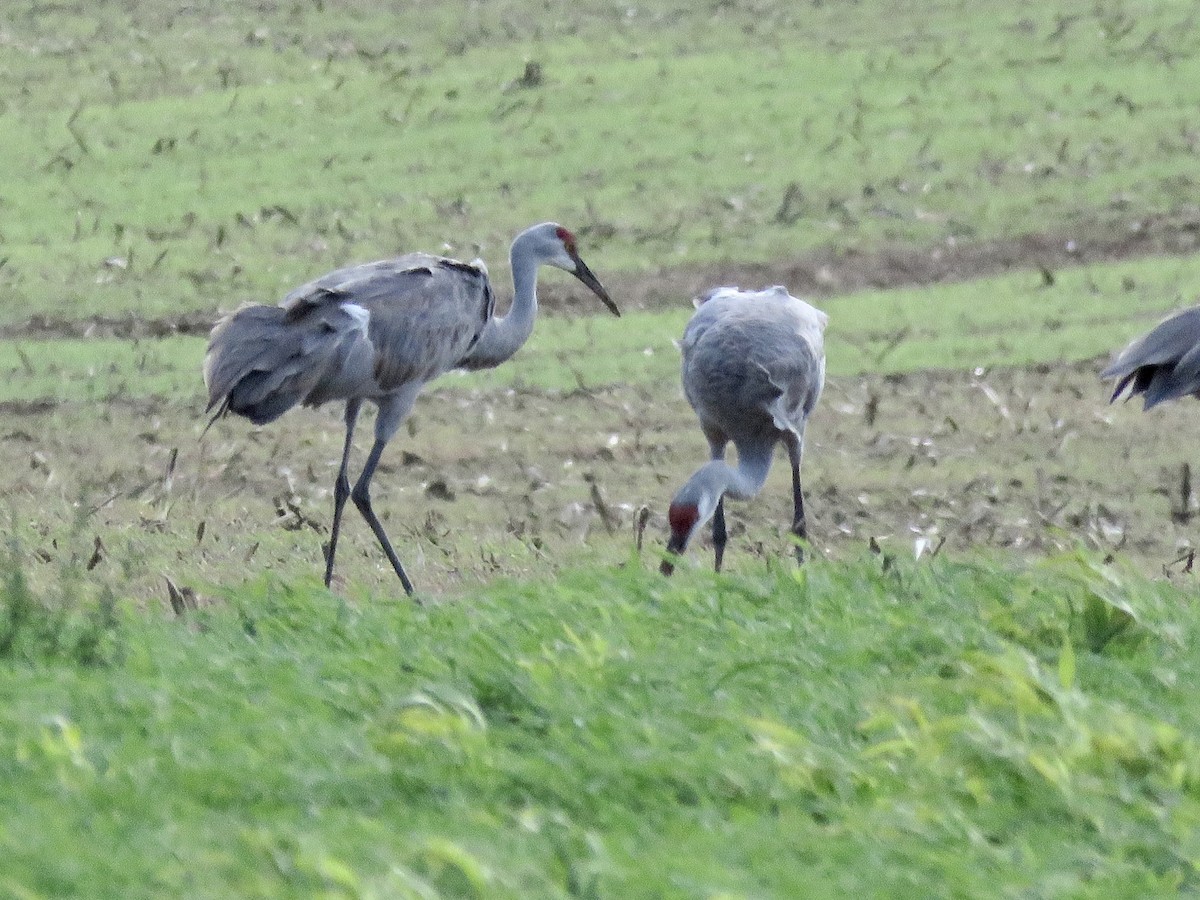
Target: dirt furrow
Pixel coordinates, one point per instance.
(822, 272)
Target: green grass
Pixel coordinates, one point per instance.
(225, 155)
(99, 369)
(963, 727)
(1004, 320)
(973, 725)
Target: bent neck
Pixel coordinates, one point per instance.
(716, 479)
(699, 497)
(504, 335)
(740, 483)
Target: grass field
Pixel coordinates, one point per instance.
(994, 703)
(182, 161)
(964, 728)
(999, 320)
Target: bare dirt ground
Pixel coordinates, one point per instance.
(519, 482)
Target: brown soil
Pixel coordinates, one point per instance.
(829, 271)
(822, 272)
(518, 483)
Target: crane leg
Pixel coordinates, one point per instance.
(362, 499)
(717, 441)
(719, 533)
(795, 448)
(341, 488)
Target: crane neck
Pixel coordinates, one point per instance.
(742, 482)
(524, 305)
(716, 479)
(505, 335)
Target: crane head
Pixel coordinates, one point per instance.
(685, 519)
(565, 256)
(686, 516)
(694, 505)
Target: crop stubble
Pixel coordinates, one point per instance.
(515, 482)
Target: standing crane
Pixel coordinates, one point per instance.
(753, 368)
(1163, 364)
(378, 332)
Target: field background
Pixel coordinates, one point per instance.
(986, 206)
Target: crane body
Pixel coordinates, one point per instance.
(753, 369)
(378, 332)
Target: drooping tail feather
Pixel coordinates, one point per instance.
(261, 362)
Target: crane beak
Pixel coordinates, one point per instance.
(584, 274)
(675, 546)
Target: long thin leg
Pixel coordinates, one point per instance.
(341, 487)
(362, 499)
(795, 448)
(717, 442)
(719, 533)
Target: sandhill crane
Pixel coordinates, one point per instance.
(753, 368)
(1163, 364)
(378, 332)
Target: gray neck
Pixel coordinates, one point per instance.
(741, 483)
(504, 335)
(717, 479)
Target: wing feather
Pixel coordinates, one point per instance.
(423, 312)
(1168, 342)
(1163, 364)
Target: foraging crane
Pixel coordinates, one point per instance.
(1163, 364)
(378, 332)
(753, 368)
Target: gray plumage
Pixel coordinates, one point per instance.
(378, 332)
(1163, 364)
(358, 331)
(753, 369)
